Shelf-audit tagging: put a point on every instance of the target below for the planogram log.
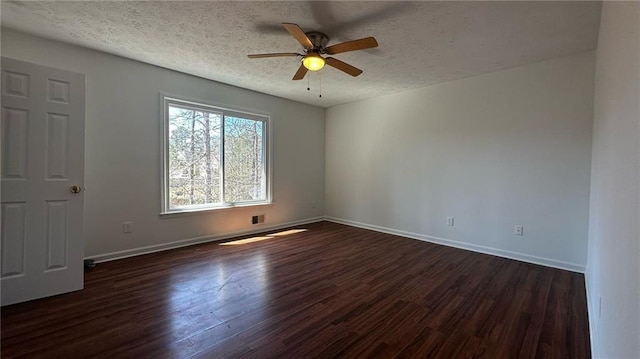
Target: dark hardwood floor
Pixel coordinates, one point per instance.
(332, 291)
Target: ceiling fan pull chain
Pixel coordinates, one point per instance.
(320, 83)
(308, 86)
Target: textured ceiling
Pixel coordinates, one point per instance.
(421, 43)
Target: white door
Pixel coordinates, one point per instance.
(42, 159)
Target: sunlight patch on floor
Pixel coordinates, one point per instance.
(263, 238)
(286, 233)
(245, 241)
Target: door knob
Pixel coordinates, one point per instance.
(75, 189)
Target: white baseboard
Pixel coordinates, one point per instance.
(197, 240)
(573, 267)
(592, 311)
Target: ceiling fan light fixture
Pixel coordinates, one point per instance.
(313, 62)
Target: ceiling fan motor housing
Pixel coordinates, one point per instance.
(319, 41)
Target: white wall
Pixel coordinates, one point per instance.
(613, 272)
(496, 150)
(123, 148)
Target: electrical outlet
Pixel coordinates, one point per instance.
(518, 230)
(127, 227)
(450, 221)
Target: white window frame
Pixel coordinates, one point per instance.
(166, 101)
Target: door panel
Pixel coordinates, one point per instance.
(14, 143)
(57, 129)
(42, 157)
(13, 238)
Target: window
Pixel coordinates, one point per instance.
(213, 157)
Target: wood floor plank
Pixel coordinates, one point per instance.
(332, 291)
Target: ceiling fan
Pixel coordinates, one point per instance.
(315, 45)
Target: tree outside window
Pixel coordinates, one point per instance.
(213, 157)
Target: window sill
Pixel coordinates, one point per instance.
(194, 211)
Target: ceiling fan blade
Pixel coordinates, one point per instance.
(276, 54)
(297, 32)
(343, 66)
(300, 73)
(366, 43)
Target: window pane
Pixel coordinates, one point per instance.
(194, 157)
(244, 160)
